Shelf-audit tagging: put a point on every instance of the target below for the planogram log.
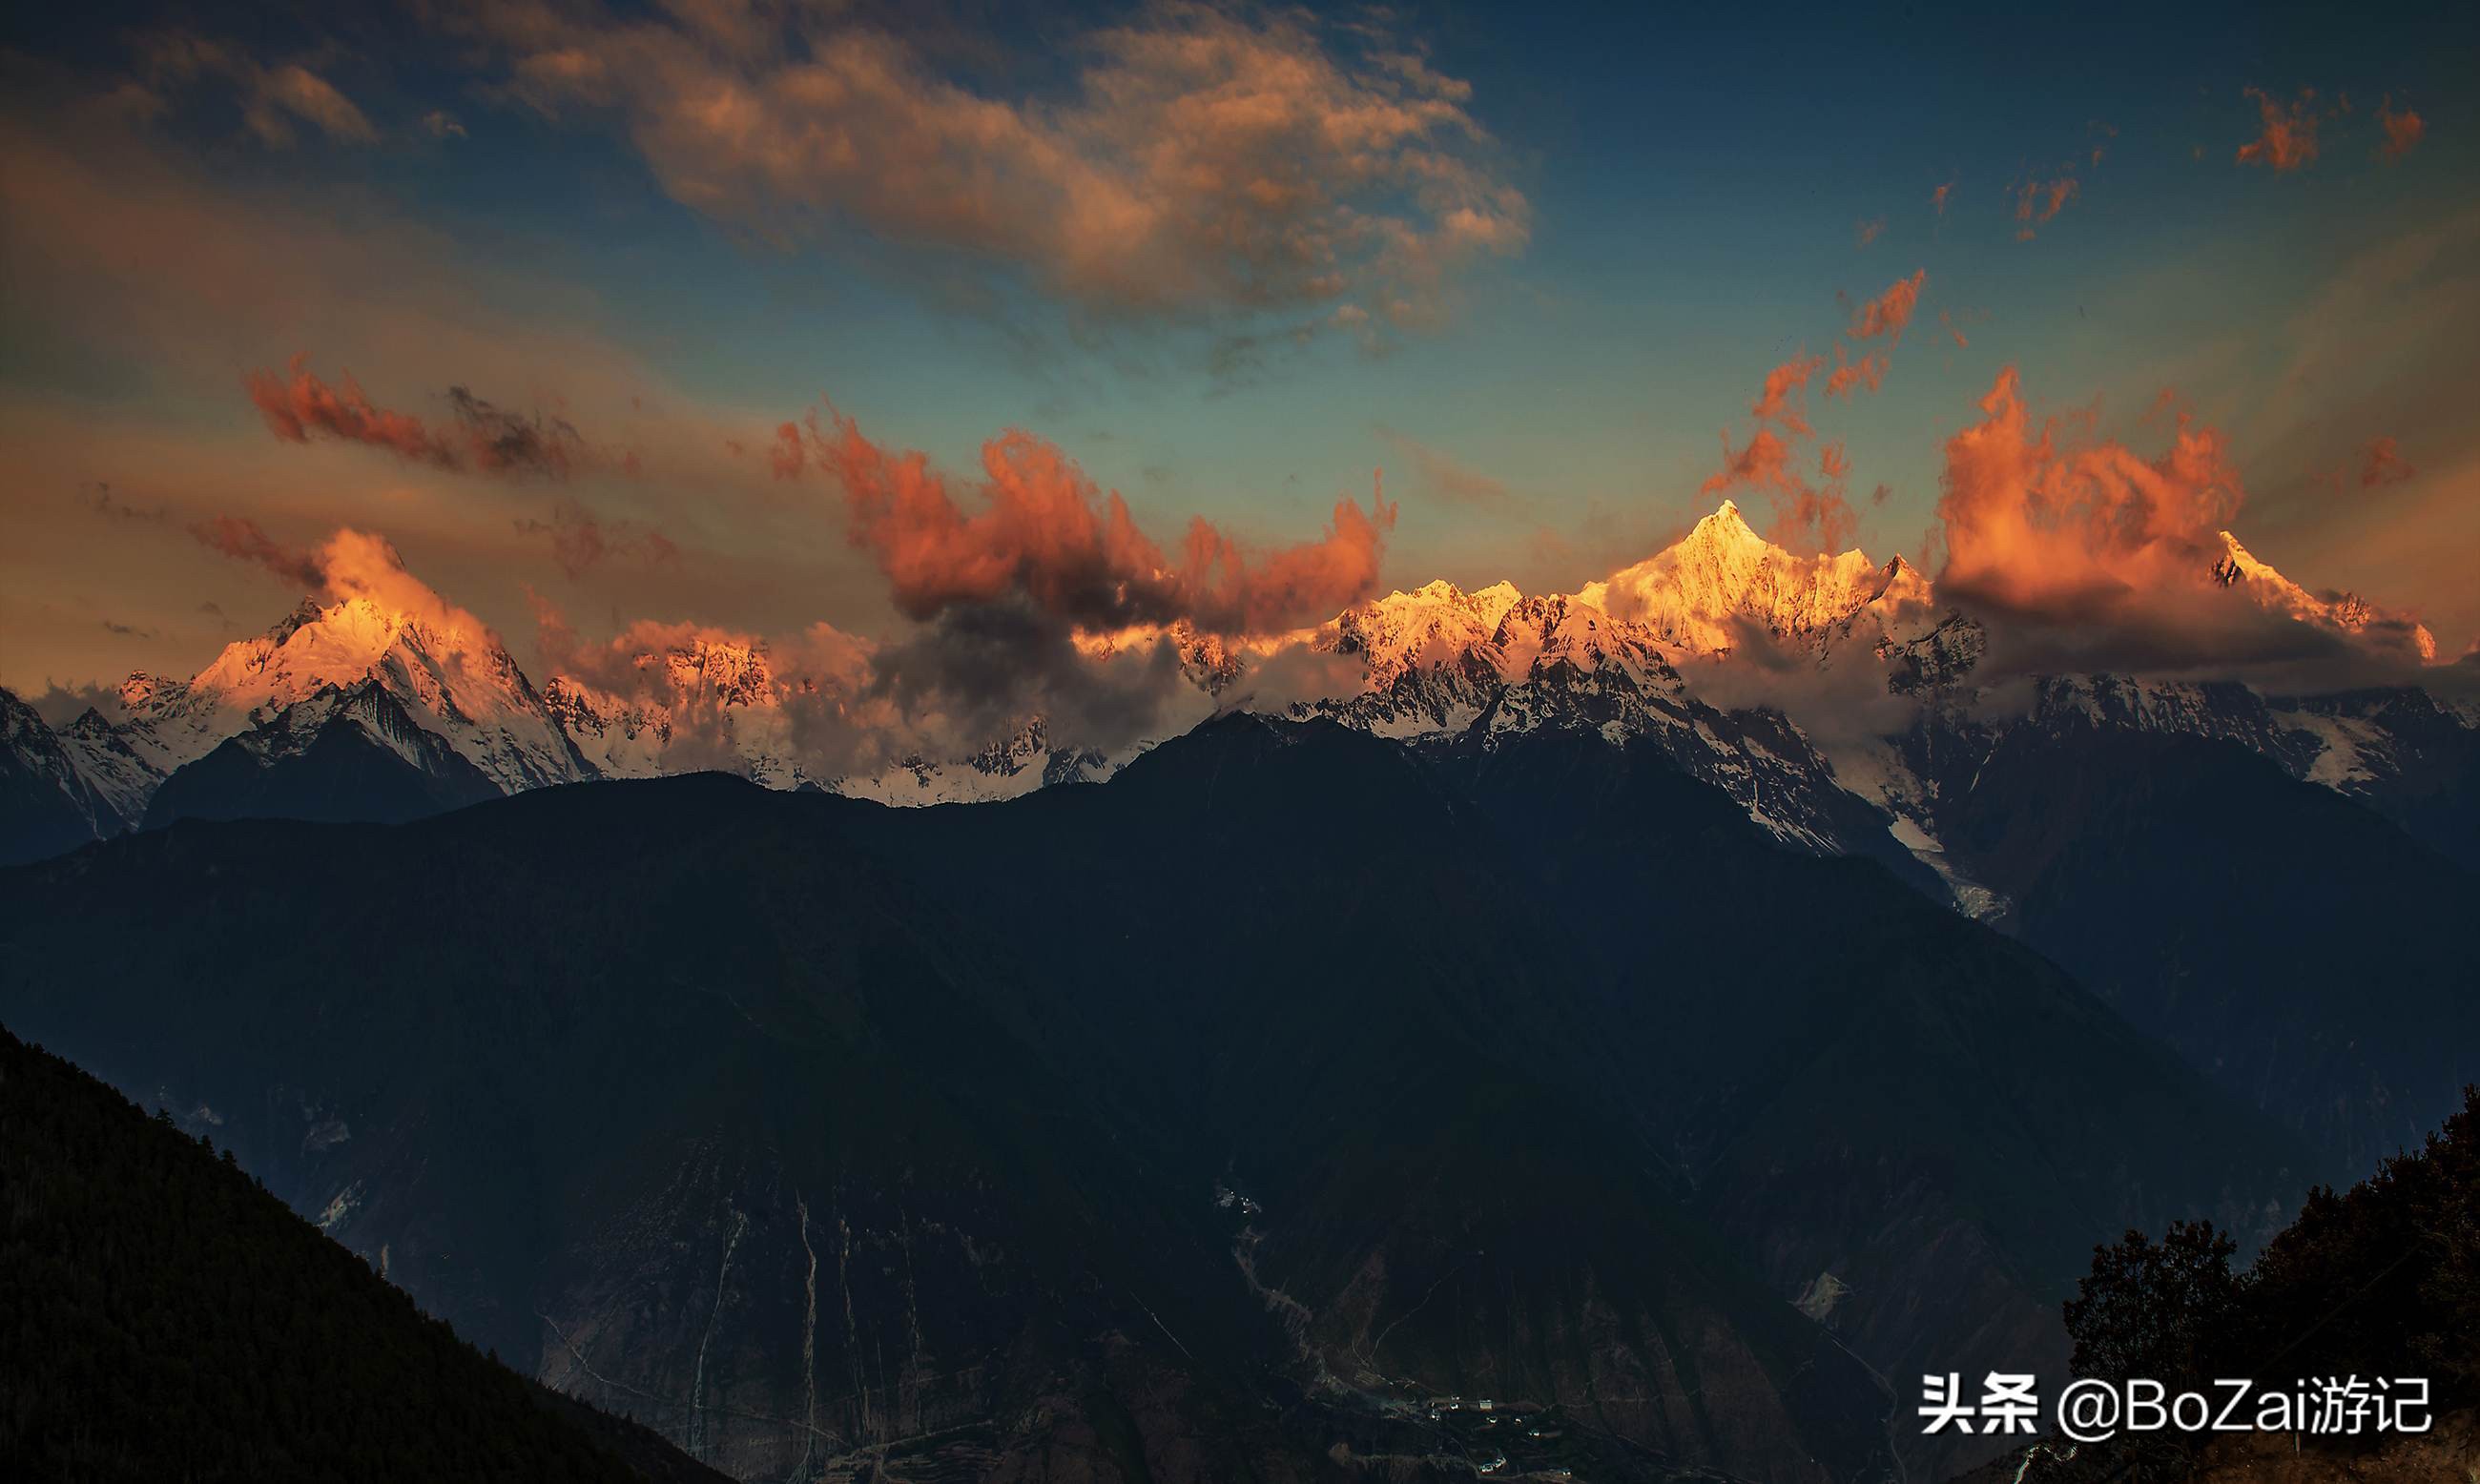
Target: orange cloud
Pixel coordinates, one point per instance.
(1810, 518)
(2082, 553)
(358, 564)
(243, 541)
(1766, 460)
(2382, 463)
(2288, 142)
(1937, 197)
(1814, 519)
(1868, 372)
(2106, 132)
(1806, 517)
(1889, 312)
(2046, 519)
(1776, 403)
(2403, 130)
(2037, 203)
(1047, 534)
(485, 437)
(1864, 232)
(300, 405)
(786, 457)
(349, 564)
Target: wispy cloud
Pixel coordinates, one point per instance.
(275, 100)
(2403, 130)
(2287, 137)
(1889, 312)
(1450, 481)
(581, 541)
(2382, 463)
(1203, 162)
(479, 435)
(241, 539)
(2038, 202)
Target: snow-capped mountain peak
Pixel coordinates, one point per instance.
(1539, 632)
(699, 700)
(1705, 591)
(2349, 613)
(1431, 626)
(446, 667)
(306, 611)
(107, 757)
(721, 671)
(1438, 665)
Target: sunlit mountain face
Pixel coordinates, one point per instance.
(1150, 741)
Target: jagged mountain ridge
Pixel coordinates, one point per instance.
(457, 678)
(48, 804)
(2409, 755)
(714, 702)
(1710, 590)
(1560, 663)
(1437, 666)
(2344, 612)
(622, 736)
(451, 690)
(339, 754)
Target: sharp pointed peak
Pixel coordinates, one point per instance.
(309, 610)
(1728, 522)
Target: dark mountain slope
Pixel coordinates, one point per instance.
(1867, 1091)
(641, 1099)
(1911, 1122)
(340, 757)
(1310, 954)
(2424, 772)
(764, 1143)
(45, 808)
(169, 1319)
(2289, 941)
(809, 1129)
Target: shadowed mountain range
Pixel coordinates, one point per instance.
(1237, 1107)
